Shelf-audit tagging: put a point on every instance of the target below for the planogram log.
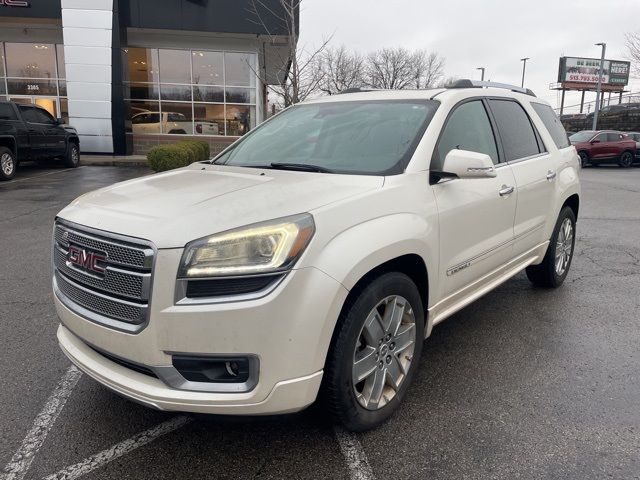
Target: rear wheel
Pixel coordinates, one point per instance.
(626, 160)
(375, 352)
(555, 266)
(8, 164)
(584, 159)
(72, 158)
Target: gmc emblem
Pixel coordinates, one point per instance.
(86, 260)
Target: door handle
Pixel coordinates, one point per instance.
(505, 191)
(551, 175)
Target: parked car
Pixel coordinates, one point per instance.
(30, 133)
(317, 253)
(635, 136)
(170, 122)
(598, 147)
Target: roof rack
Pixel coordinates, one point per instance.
(465, 83)
(358, 90)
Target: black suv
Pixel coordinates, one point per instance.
(29, 132)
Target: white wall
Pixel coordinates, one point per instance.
(87, 32)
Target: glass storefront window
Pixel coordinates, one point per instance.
(30, 60)
(1, 60)
(181, 93)
(193, 92)
(208, 119)
(25, 86)
(60, 56)
(240, 119)
(142, 64)
(175, 66)
(239, 69)
(207, 68)
(176, 118)
(208, 94)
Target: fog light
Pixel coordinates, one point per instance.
(212, 369)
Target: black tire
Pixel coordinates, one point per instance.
(338, 390)
(626, 160)
(72, 157)
(584, 159)
(546, 275)
(8, 164)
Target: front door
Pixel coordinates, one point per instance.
(475, 214)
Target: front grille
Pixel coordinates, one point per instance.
(119, 296)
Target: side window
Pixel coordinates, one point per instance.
(29, 114)
(552, 124)
(44, 116)
(6, 112)
(153, 118)
(468, 128)
(138, 119)
(516, 131)
(613, 137)
(600, 138)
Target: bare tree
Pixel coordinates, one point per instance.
(427, 69)
(303, 77)
(399, 68)
(342, 69)
(633, 45)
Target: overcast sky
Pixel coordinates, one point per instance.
(495, 34)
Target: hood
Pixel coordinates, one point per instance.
(173, 208)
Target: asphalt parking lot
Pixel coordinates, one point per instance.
(525, 383)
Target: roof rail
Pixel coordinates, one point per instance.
(358, 90)
(466, 83)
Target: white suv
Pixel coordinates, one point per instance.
(314, 255)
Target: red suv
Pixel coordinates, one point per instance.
(604, 147)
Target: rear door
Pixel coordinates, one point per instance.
(475, 214)
(533, 168)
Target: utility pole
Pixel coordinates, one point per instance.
(481, 68)
(599, 88)
(524, 68)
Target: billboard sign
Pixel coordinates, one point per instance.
(585, 71)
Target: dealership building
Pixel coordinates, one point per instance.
(130, 74)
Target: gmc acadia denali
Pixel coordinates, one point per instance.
(313, 256)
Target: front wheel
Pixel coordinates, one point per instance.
(8, 164)
(626, 160)
(375, 352)
(584, 159)
(72, 158)
(553, 270)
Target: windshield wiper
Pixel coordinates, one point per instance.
(300, 166)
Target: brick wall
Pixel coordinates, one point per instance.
(143, 143)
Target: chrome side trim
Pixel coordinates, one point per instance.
(467, 263)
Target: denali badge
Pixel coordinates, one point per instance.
(86, 260)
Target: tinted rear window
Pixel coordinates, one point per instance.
(552, 123)
(516, 131)
(6, 112)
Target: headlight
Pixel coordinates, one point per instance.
(261, 248)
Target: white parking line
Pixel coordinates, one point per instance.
(17, 468)
(42, 175)
(102, 458)
(357, 462)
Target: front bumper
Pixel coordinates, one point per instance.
(288, 331)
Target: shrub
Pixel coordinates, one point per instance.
(176, 155)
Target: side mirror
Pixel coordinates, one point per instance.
(466, 164)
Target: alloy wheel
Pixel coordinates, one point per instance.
(7, 164)
(564, 247)
(384, 352)
(626, 160)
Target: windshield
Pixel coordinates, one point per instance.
(582, 136)
(362, 137)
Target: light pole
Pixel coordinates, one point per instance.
(599, 88)
(481, 68)
(524, 68)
